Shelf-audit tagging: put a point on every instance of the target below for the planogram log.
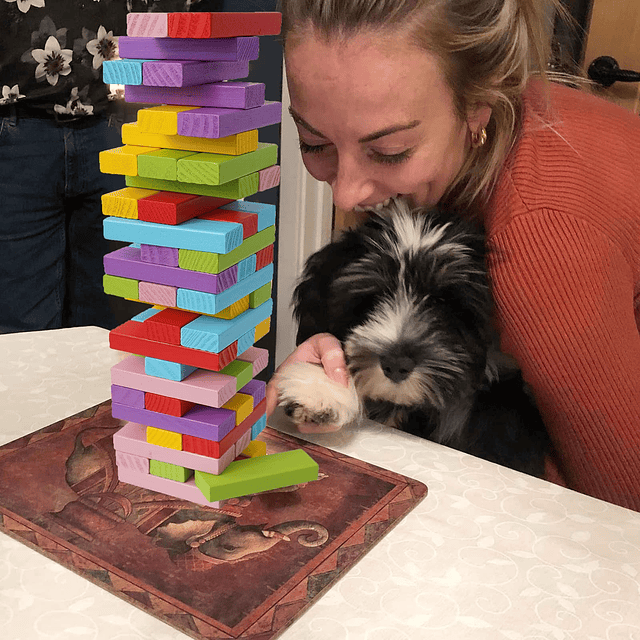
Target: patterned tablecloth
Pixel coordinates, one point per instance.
(490, 553)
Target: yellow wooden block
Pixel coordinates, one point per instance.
(255, 448)
(122, 160)
(242, 404)
(164, 438)
(162, 119)
(234, 145)
(123, 203)
(234, 310)
(262, 329)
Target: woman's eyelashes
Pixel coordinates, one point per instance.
(376, 156)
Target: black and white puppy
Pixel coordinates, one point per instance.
(407, 294)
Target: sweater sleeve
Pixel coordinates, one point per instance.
(564, 297)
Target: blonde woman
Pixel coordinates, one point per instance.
(446, 101)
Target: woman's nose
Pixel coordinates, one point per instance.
(351, 186)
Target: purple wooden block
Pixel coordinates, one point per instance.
(159, 255)
(201, 422)
(127, 396)
(233, 49)
(256, 389)
(228, 95)
(185, 73)
(213, 122)
(127, 263)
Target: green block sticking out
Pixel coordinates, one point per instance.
(169, 471)
(121, 287)
(216, 262)
(234, 189)
(241, 371)
(216, 168)
(253, 475)
(161, 164)
(257, 297)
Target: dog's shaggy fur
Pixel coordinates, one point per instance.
(408, 297)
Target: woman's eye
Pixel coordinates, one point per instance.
(311, 148)
(394, 158)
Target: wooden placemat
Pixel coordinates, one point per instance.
(246, 570)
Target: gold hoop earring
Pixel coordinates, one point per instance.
(478, 138)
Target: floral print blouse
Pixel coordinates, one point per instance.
(51, 51)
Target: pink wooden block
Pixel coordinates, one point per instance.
(257, 356)
(269, 177)
(133, 461)
(131, 439)
(148, 25)
(203, 387)
(161, 294)
(181, 490)
(242, 442)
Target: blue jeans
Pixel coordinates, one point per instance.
(51, 242)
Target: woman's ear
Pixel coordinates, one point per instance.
(478, 117)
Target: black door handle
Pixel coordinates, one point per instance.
(605, 71)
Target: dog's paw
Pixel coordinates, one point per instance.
(308, 395)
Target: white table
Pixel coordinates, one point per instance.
(489, 554)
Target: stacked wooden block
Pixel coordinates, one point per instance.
(201, 255)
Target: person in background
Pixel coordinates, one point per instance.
(448, 102)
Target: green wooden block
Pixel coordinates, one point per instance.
(161, 164)
(241, 371)
(216, 168)
(169, 471)
(257, 297)
(234, 189)
(253, 475)
(217, 262)
(121, 287)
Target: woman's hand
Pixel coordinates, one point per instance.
(323, 349)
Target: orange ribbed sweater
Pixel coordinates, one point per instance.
(563, 230)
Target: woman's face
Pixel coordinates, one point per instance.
(376, 119)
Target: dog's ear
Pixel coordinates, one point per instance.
(317, 306)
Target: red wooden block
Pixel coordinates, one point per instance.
(165, 325)
(169, 207)
(249, 221)
(224, 24)
(213, 449)
(264, 257)
(132, 337)
(166, 405)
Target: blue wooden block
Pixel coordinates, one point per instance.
(122, 71)
(266, 212)
(246, 267)
(202, 302)
(147, 313)
(167, 370)
(258, 426)
(213, 236)
(245, 341)
(215, 334)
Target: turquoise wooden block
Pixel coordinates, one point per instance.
(245, 341)
(258, 426)
(122, 71)
(213, 236)
(266, 212)
(202, 302)
(167, 370)
(147, 313)
(210, 334)
(246, 267)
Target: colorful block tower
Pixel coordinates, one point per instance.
(199, 253)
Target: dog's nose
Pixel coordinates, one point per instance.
(397, 368)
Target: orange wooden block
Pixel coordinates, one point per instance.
(166, 405)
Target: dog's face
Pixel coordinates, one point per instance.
(407, 295)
